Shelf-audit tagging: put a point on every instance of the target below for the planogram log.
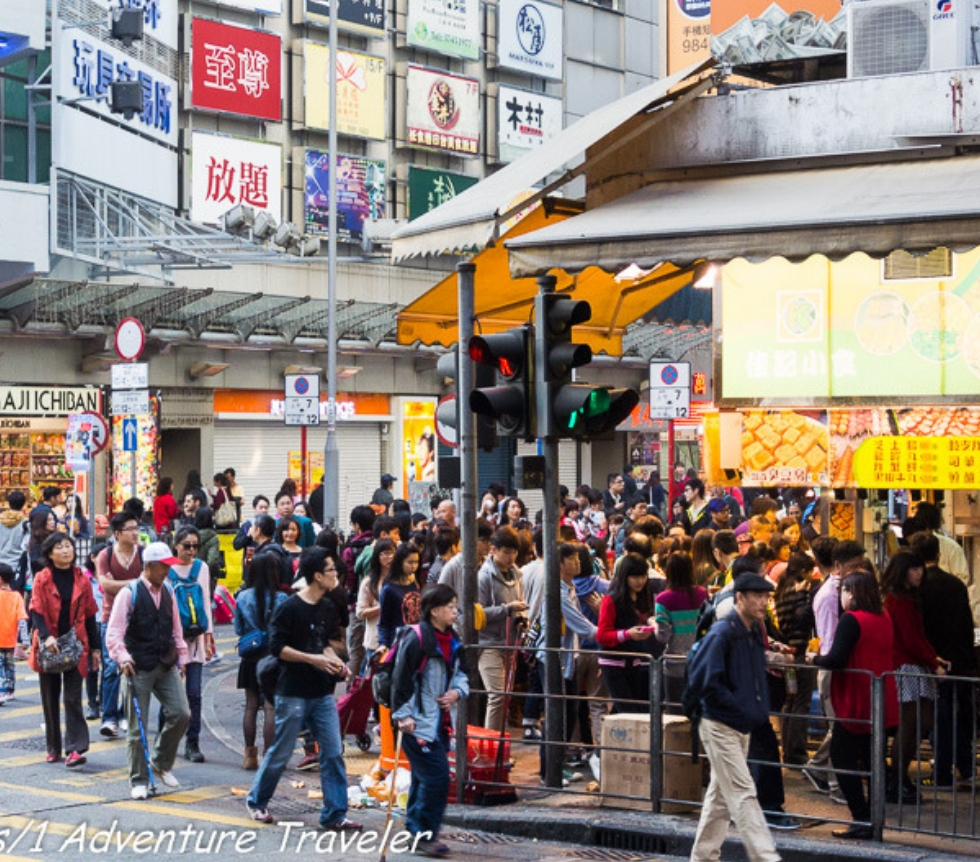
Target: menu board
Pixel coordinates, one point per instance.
(918, 462)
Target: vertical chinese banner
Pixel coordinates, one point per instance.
(688, 33)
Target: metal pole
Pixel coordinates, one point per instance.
(876, 784)
(657, 764)
(302, 460)
(32, 116)
(331, 451)
(554, 709)
(466, 274)
(672, 459)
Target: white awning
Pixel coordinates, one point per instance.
(470, 221)
(875, 209)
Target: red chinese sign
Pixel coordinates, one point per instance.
(236, 70)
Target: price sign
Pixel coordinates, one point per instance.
(302, 401)
(130, 402)
(130, 375)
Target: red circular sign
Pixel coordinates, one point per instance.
(130, 339)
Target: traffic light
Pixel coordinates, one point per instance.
(448, 408)
(566, 409)
(509, 359)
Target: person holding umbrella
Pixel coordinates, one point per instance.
(145, 639)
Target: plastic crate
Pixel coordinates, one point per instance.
(483, 743)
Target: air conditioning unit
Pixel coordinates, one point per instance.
(892, 37)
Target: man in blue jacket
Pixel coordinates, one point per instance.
(729, 672)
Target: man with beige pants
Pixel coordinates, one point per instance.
(501, 593)
(728, 671)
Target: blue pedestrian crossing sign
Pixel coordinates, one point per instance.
(130, 434)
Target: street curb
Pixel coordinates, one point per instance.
(663, 834)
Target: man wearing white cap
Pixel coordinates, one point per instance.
(145, 639)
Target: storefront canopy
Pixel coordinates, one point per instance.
(471, 221)
(874, 209)
(502, 302)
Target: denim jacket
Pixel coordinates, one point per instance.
(247, 611)
(414, 695)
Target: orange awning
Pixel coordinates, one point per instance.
(502, 302)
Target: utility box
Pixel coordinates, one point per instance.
(628, 772)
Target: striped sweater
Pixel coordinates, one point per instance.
(677, 616)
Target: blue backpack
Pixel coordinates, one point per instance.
(190, 601)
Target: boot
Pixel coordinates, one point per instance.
(251, 762)
(193, 752)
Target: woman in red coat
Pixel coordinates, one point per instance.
(165, 510)
(863, 642)
(62, 599)
(913, 657)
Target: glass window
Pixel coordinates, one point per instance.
(15, 153)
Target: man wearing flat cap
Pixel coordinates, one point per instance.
(728, 671)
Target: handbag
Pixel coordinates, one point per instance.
(253, 643)
(227, 514)
(69, 654)
(268, 672)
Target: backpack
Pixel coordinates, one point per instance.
(691, 695)
(381, 681)
(708, 613)
(190, 602)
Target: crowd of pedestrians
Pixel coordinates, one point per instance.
(636, 581)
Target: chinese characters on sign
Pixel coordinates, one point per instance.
(918, 462)
(361, 16)
(159, 17)
(360, 92)
(361, 194)
(428, 188)
(96, 67)
(448, 26)
(230, 171)
(526, 121)
(443, 111)
(530, 37)
(236, 70)
(688, 33)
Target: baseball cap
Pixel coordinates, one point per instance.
(717, 504)
(387, 477)
(158, 552)
(749, 582)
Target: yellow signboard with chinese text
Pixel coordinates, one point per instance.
(360, 92)
(918, 462)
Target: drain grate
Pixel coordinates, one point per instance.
(484, 838)
(292, 806)
(627, 840)
(599, 855)
(32, 743)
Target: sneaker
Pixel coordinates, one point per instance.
(432, 849)
(167, 778)
(309, 762)
(570, 776)
(53, 758)
(139, 791)
(782, 821)
(837, 797)
(74, 759)
(214, 659)
(109, 729)
(574, 761)
(345, 825)
(856, 832)
(92, 714)
(820, 784)
(532, 734)
(123, 725)
(260, 815)
(5, 697)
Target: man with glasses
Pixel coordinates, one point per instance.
(117, 565)
(305, 635)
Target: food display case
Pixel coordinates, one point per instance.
(30, 462)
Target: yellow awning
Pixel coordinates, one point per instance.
(502, 302)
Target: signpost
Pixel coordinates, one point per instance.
(302, 408)
(130, 387)
(670, 399)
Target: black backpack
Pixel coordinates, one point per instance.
(691, 695)
(381, 681)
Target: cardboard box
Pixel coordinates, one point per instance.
(627, 772)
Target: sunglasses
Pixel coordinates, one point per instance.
(189, 547)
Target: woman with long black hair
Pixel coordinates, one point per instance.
(253, 611)
(625, 622)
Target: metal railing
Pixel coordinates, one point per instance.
(933, 809)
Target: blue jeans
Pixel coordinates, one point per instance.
(320, 716)
(192, 681)
(429, 792)
(111, 709)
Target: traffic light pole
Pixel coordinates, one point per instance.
(554, 715)
(467, 510)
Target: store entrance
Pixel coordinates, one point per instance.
(180, 452)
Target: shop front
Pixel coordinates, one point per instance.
(33, 427)
(250, 435)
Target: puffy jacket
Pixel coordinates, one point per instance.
(414, 695)
(729, 671)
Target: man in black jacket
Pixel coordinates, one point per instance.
(729, 672)
(948, 623)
